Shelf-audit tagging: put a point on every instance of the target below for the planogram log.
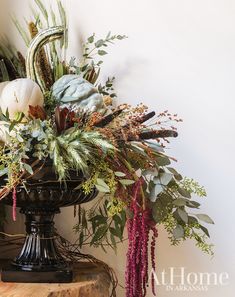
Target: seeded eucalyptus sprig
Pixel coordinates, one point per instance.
(95, 47)
(89, 66)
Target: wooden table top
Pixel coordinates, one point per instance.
(89, 281)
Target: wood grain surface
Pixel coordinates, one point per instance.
(89, 281)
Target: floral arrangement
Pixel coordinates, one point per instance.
(58, 110)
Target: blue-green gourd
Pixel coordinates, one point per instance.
(76, 90)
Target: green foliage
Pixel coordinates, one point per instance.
(89, 66)
(172, 209)
(107, 89)
(98, 229)
(115, 207)
(193, 230)
(72, 150)
(193, 187)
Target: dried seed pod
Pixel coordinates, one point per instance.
(152, 135)
(108, 119)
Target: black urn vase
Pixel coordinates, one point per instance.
(41, 198)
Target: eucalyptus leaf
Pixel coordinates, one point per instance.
(120, 37)
(163, 160)
(28, 168)
(205, 230)
(155, 191)
(119, 173)
(102, 52)
(126, 182)
(192, 220)
(205, 218)
(159, 211)
(102, 186)
(183, 215)
(165, 178)
(180, 202)
(184, 192)
(156, 180)
(101, 182)
(193, 204)
(178, 232)
(114, 232)
(99, 43)
(91, 38)
(99, 234)
(166, 199)
(103, 189)
(176, 174)
(150, 172)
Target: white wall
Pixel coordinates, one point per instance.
(180, 56)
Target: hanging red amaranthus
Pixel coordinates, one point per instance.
(139, 227)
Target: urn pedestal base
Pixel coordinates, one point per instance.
(11, 274)
(39, 260)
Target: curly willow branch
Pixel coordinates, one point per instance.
(71, 253)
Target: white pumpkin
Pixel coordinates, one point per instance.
(17, 95)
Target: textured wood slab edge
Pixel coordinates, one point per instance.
(89, 281)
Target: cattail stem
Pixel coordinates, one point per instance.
(152, 135)
(140, 120)
(21, 61)
(108, 119)
(146, 117)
